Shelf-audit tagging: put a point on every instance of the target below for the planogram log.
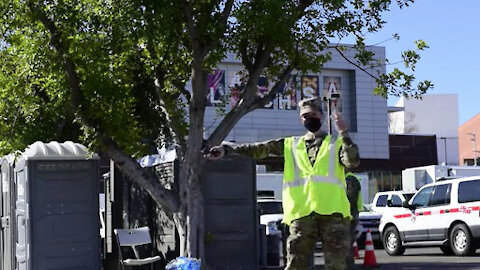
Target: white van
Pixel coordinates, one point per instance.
(445, 214)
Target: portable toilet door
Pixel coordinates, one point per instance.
(6, 237)
(57, 208)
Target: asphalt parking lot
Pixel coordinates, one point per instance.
(415, 258)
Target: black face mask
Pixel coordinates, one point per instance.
(312, 124)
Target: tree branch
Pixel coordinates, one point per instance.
(261, 102)
(178, 138)
(223, 25)
(238, 112)
(353, 63)
(243, 54)
(167, 198)
(262, 56)
(181, 87)
(77, 98)
(187, 11)
(304, 4)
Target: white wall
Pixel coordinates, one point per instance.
(433, 114)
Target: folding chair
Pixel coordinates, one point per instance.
(134, 238)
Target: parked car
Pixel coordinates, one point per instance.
(443, 214)
(271, 214)
(397, 198)
(368, 220)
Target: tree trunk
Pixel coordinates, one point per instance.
(180, 225)
(194, 203)
(189, 220)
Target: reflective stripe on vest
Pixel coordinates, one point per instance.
(314, 179)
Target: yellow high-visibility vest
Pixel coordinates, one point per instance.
(360, 199)
(308, 188)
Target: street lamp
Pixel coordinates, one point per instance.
(474, 147)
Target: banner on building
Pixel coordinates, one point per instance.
(332, 85)
(216, 88)
(287, 97)
(263, 87)
(309, 86)
(236, 87)
(238, 84)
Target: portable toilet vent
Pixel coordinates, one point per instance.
(56, 208)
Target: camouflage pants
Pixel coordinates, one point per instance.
(332, 230)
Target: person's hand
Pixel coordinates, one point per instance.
(339, 123)
(216, 152)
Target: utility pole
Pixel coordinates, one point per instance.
(444, 147)
(474, 147)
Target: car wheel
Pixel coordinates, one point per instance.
(461, 241)
(447, 250)
(392, 242)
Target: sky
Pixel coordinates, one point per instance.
(451, 29)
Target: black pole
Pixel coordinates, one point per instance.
(445, 145)
(329, 111)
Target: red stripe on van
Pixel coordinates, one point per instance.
(402, 216)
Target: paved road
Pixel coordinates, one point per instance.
(416, 258)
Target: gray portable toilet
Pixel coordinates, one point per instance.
(56, 208)
(231, 220)
(7, 209)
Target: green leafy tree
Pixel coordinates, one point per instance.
(113, 75)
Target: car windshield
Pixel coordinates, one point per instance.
(266, 208)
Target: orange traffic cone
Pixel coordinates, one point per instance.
(369, 259)
(355, 250)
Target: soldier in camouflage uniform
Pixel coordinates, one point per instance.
(333, 228)
(354, 197)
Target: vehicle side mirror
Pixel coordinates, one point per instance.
(409, 206)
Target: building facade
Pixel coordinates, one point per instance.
(365, 113)
(434, 114)
(468, 137)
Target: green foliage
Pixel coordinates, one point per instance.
(134, 58)
(109, 43)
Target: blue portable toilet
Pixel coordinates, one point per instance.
(56, 208)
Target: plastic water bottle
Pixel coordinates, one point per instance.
(183, 263)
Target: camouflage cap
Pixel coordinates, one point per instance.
(309, 105)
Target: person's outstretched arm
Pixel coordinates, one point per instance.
(256, 150)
